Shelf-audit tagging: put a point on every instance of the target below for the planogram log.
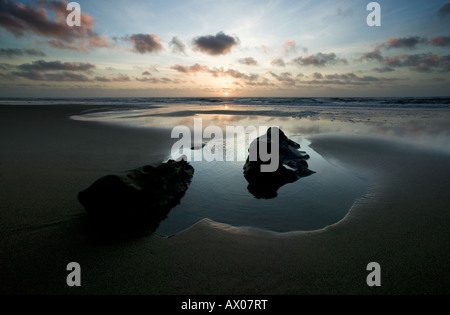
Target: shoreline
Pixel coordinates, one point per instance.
(404, 227)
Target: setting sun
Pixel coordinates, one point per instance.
(226, 93)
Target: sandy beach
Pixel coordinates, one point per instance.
(402, 222)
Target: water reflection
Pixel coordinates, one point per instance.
(220, 192)
(427, 127)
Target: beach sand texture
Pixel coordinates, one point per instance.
(46, 159)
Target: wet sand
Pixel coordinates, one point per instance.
(402, 223)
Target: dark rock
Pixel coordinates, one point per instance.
(138, 200)
(291, 167)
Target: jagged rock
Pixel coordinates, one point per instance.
(292, 166)
(138, 200)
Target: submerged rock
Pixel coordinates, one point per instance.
(138, 200)
(291, 167)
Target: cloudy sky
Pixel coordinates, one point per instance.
(180, 48)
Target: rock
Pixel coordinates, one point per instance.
(138, 200)
(292, 166)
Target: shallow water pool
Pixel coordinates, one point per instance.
(219, 192)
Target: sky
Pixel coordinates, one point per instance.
(219, 48)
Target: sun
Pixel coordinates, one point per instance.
(226, 93)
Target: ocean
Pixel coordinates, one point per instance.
(378, 102)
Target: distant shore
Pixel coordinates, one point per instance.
(46, 159)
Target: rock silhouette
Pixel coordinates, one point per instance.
(292, 166)
(138, 200)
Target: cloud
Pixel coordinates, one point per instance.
(146, 73)
(383, 70)
(102, 79)
(149, 68)
(399, 60)
(266, 50)
(95, 41)
(249, 79)
(21, 19)
(319, 60)
(407, 42)
(30, 75)
(413, 41)
(444, 63)
(248, 61)
(4, 76)
(6, 66)
(343, 79)
(55, 71)
(285, 78)
(146, 43)
(177, 46)
(416, 62)
(240, 75)
(153, 68)
(66, 77)
(189, 69)
(57, 77)
(440, 41)
(67, 46)
(42, 65)
(350, 79)
(34, 52)
(15, 52)
(420, 62)
(119, 78)
(371, 56)
(262, 82)
(289, 46)
(163, 80)
(215, 45)
(279, 62)
(444, 11)
(215, 72)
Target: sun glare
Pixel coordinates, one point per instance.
(226, 93)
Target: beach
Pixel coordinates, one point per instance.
(401, 222)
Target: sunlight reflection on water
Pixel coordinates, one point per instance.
(422, 126)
